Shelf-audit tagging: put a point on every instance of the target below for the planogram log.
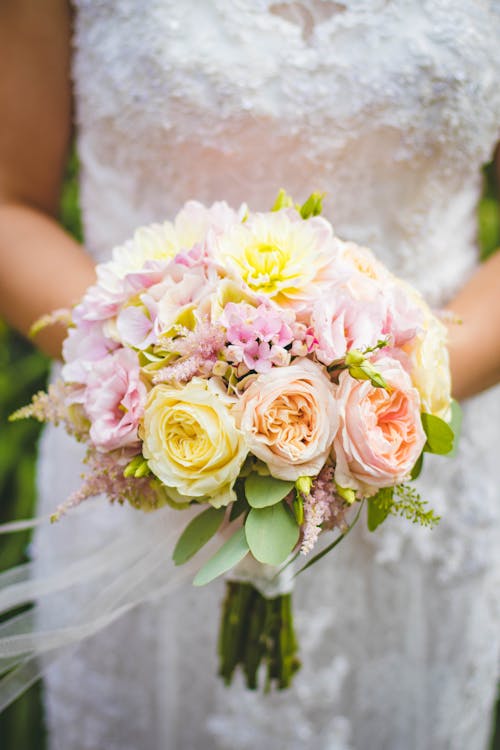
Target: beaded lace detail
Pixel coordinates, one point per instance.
(390, 107)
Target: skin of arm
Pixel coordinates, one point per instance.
(474, 343)
(41, 267)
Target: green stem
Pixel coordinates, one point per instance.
(257, 631)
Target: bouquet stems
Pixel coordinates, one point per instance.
(257, 631)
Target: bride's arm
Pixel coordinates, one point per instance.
(41, 267)
(475, 344)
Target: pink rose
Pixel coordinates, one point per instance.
(380, 435)
(289, 419)
(114, 400)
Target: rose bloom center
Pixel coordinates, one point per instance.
(387, 421)
(287, 423)
(187, 441)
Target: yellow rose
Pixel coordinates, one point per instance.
(191, 441)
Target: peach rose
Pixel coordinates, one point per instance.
(381, 435)
(289, 419)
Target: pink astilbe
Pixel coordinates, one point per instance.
(323, 508)
(57, 406)
(198, 349)
(105, 477)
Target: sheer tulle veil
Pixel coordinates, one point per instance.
(133, 567)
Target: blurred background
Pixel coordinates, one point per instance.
(23, 371)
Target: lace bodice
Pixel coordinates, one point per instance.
(390, 107)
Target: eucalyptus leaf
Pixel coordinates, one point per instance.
(440, 436)
(224, 559)
(264, 491)
(197, 533)
(271, 533)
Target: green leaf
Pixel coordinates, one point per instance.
(377, 513)
(415, 472)
(197, 533)
(224, 559)
(439, 435)
(264, 491)
(271, 533)
(455, 424)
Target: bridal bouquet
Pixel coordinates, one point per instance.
(256, 366)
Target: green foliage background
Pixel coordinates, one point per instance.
(23, 371)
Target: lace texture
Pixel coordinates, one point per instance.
(390, 107)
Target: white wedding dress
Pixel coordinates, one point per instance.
(390, 107)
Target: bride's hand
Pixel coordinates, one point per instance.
(474, 343)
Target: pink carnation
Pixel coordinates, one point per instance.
(340, 323)
(114, 400)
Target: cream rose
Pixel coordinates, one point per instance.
(430, 367)
(428, 358)
(289, 419)
(191, 441)
(381, 435)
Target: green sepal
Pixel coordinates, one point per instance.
(283, 200)
(264, 491)
(440, 437)
(271, 533)
(224, 559)
(197, 533)
(361, 368)
(313, 206)
(366, 371)
(376, 514)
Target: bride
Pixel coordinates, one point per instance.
(388, 106)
